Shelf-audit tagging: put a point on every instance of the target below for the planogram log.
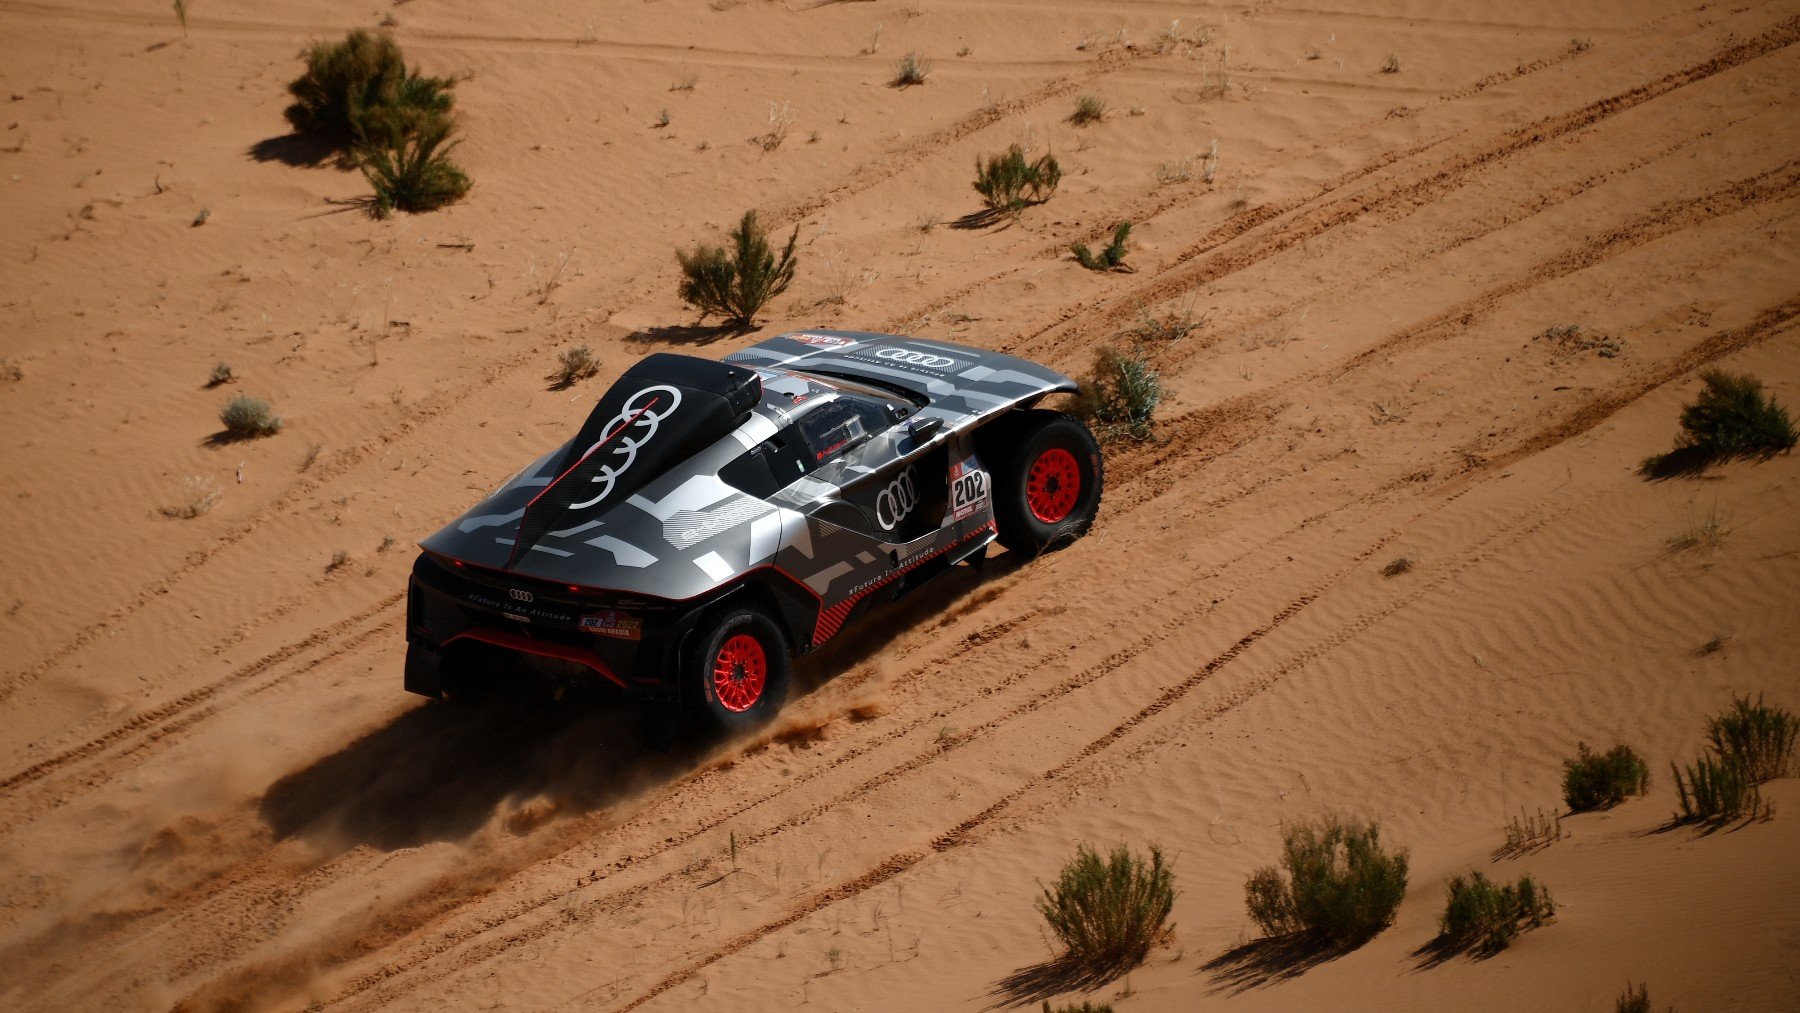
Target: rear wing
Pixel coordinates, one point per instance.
(957, 381)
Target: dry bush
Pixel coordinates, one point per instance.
(1109, 912)
(1528, 832)
(1601, 780)
(574, 364)
(781, 119)
(1152, 331)
(221, 375)
(1397, 566)
(1341, 886)
(1391, 65)
(245, 417)
(1088, 109)
(736, 283)
(912, 69)
(11, 371)
(198, 495)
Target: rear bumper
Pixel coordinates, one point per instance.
(455, 621)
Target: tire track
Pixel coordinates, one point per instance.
(1107, 313)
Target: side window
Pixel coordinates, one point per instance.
(769, 466)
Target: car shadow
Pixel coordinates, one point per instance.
(440, 772)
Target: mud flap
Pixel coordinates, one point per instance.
(424, 671)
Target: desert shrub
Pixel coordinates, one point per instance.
(1397, 566)
(1527, 832)
(1008, 184)
(1085, 1007)
(245, 417)
(1601, 780)
(359, 92)
(1120, 396)
(1733, 418)
(1716, 790)
(1340, 886)
(413, 172)
(736, 283)
(912, 69)
(1756, 737)
(11, 371)
(198, 495)
(574, 364)
(1635, 999)
(1088, 109)
(1109, 912)
(1391, 65)
(221, 374)
(1170, 327)
(1482, 915)
(1111, 257)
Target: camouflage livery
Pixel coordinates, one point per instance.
(816, 472)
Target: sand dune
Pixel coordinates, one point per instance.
(215, 794)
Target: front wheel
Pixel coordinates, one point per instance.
(738, 677)
(1047, 480)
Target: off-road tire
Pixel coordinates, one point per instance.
(1047, 479)
(737, 677)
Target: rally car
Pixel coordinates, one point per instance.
(712, 520)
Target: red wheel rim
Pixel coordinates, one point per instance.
(1053, 485)
(739, 673)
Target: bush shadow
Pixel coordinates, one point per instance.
(1683, 462)
(440, 772)
(302, 151)
(1268, 961)
(688, 334)
(1045, 981)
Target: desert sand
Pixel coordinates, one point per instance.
(215, 795)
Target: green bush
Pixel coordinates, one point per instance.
(1485, 916)
(1716, 790)
(1341, 886)
(1008, 184)
(359, 92)
(1731, 418)
(1110, 257)
(1120, 396)
(1756, 737)
(737, 283)
(413, 172)
(1109, 912)
(1599, 781)
(245, 417)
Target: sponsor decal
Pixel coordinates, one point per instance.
(614, 624)
(912, 357)
(968, 489)
(823, 340)
(892, 504)
(642, 413)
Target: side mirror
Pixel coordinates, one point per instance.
(922, 429)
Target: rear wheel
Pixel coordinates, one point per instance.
(738, 678)
(1047, 480)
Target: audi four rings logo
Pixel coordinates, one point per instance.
(519, 595)
(643, 411)
(911, 357)
(892, 504)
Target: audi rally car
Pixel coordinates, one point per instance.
(712, 520)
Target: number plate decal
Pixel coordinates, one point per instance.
(968, 489)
